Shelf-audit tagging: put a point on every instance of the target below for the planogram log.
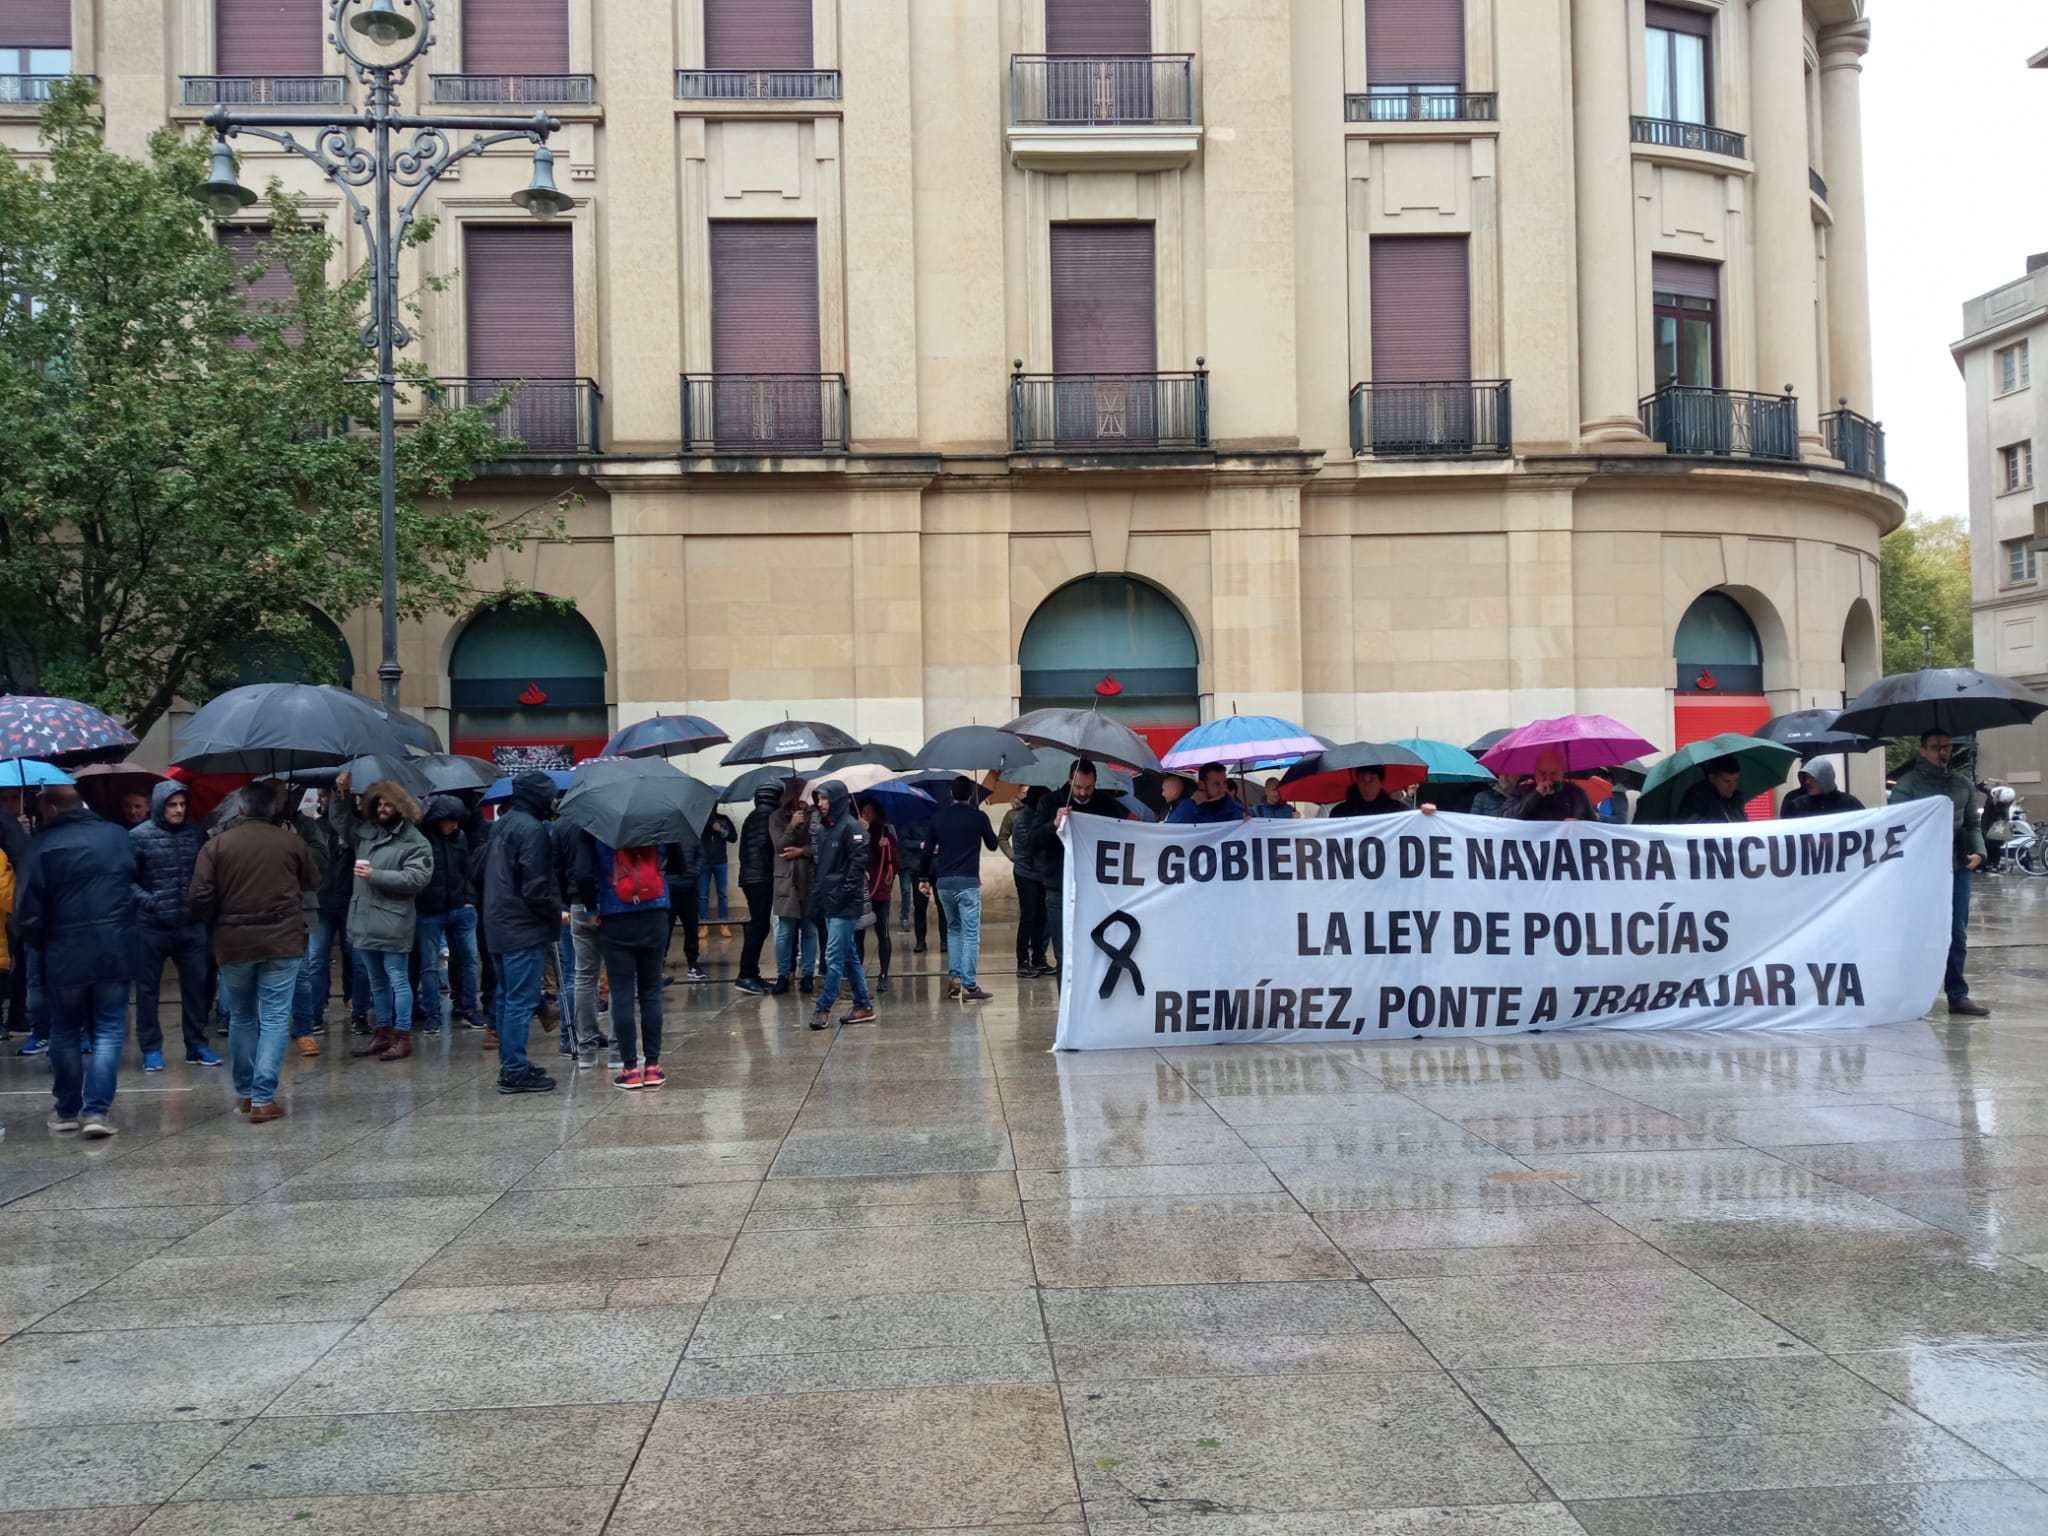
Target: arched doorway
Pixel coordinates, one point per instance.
(1720, 678)
(271, 658)
(1862, 659)
(1120, 646)
(526, 687)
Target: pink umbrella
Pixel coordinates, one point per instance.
(1584, 741)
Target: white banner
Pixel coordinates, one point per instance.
(1410, 926)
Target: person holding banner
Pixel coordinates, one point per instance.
(1552, 796)
(1077, 799)
(1717, 798)
(1271, 807)
(1211, 801)
(1929, 777)
(1368, 795)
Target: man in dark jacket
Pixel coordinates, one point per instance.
(1817, 794)
(1026, 836)
(719, 834)
(74, 908)
(840, 845)
(523, 910)
(1550, 795)
(1717, 798)
(684, 865)
(446, 909)
(757, 884)
(166, 852)
(914, 839)
(1368, 795)
(1079, 798)
(960, 832)
(330, 931)
(248, 887)
(1931, 776)
(1495, 798)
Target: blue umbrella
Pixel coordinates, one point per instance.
(503, 788)
(899, 799)
(1446, 764)
(28, 773)
(1239, 739)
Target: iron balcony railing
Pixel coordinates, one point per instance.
(548, 416)
(30, 88)
(1420, 104)
(764, 413)
(1109, 412)
(548, 90)
(1455, 419)
(757, 85)
(261, 90)
(1072, 90)
(1728, 423)
(1815, 184)
(1856, 440)
(1668, 134)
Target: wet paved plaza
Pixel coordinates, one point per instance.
(927, 1276)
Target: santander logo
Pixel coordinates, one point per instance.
(533, 696)
(1109, 687)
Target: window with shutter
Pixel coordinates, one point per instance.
(515, 37)
(1098, 26)
(273, 285)
(267, 37)
(1105, 330)
(1421, 344)
(1685, 297)
(765, 349)
(520, 305)
(34, 24)
(1415, 43)
(757, 34)
(1679, 58)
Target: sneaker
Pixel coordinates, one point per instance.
(317, 1028)
(917, 949)
(821, 1020)
(753, 986)
(532, 1080)
(1050, 970)
(669, 981)
(201, 1058)
(976, 995)
(1027, 969)
(780, 989)
(697, 973)
(152, 1061)
(587, 1062)
(632, 1078)
(808, 985)
(430, 1027)
(903, 925)
(614, 1062)
(36, 1046)
(467, 1021)
(881, 983)
(58, 1122)
(864, 1015)
(95, 1128)
(651, 1076)
(359, 1023)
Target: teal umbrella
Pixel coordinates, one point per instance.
(1762, 764)
(1446, 764)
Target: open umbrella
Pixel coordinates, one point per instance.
(1325, 778)
(28, 773)
(407, 730)
(873, 754)
(105, 784)
(277, 728)
(1584, 741)
(1953, 700)
(1762, 764)
(858, 779)
(903, 800)
(1051, 768)
(448, 773)
(502, 790)
(369, 769)
(1086, 733)
(665, 736)
(789, 741)
(1239, 739)
(1444, 763)
(1489, 741)
(632, 802)
(60, 731)
(1810, 732)
(976, 749)
(741, 790)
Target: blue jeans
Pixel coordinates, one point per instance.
(458, 930)
(841, 960)
(710, 877)
(962, 906)
(185, 948)
(391, 985)
(102, 1009)
(1952, 981)
(906, 887)
(260, 996)
(309, 999)
(796, 944)
(565, 972)
(518, 996)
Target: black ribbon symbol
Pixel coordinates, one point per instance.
(1120, 959)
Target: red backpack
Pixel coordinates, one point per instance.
(636, 875)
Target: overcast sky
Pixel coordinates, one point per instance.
(1952, 148)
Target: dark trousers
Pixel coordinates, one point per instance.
(919, 910)
(760, 920)
(1030, 921)
(884, 946)
(1952, 981)
(633, 944)
(682, 914)
(185, 948)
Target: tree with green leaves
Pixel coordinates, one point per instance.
(1924, 579)
(182, 467)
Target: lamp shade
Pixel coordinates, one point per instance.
(222, 191)
(383, 24)
(543, 199)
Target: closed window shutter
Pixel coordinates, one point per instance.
(1104, 309)
(757, 34)
(515, 37)
(35, 24)
(764, 321)
(1678, 18)
(274, 284)
(1421, 309)
(1098, 26)
(267, 37)
(520, 301)
(1688, 279)
(1415, 42)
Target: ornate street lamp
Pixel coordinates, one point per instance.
(382, 167)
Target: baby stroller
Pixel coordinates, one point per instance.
(2010, 842)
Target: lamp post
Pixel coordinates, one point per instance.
(387, 170)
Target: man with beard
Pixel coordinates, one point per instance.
(393, 865)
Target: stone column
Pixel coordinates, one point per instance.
(1841, 113)
(1606, 223)
(1787, 347)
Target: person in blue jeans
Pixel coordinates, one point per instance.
(719, 834)
(74, 908)
(960, 832)
(392, 866)
(839, 843)
(523, 910)
(167, 846)
(446, 917)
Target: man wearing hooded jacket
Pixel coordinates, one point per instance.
(393, 865)
(522, 910)
(840, 844)
(757, 883)
(1817, 794)
(166, 852)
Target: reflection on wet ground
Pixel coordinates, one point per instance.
(927, 1276)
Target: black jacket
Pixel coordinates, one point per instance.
(449, 888)
(718, 832)
(841, 845)
(1028, 833)
(757, 843)
(337, 884)
(165, 857)
(522, 905)
(1703, 805)
(1355, 804)
(1567, 802)
(74, 900)
(1051, 852)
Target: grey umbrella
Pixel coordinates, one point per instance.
(872, 754)
(1810, 732)
(1086, 733)
(279, 728)
(632, 802)
(976, 749)
(367, 770)
(741, 790)
(1050, 768)
(448, 773)
(1490, 740)
(1953, 700)
(789, 741)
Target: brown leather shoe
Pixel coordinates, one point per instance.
(550, 1012)
(490, 1040)
(1969, 1008)
(263, 1114)
(376, 1045)
(308, 1046)
(241, 1104)
(401, 1046)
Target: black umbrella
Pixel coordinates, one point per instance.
(1086, 733)
(1810, 732)
(367, 770)
(631, 802)
(406, 730)
(279, 728)
(976, 749)
(448, 773)
(1953, 700)
(1490, 740)
(789, 741)
(1050, 768)
(870, 754)
(741, 790)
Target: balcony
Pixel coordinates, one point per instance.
(1109, 413)
(547, 416)
(1664, 133)
(1420, 104)
(30, 90)
(764, 414)
(260, 90)
(1103, 112)
(757, 85)
(1457, 419)
(1815, 184)
(1856, 440)
(538, 90)
(1723, 423)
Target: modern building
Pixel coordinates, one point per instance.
(2008, 517)
(1393, 365)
